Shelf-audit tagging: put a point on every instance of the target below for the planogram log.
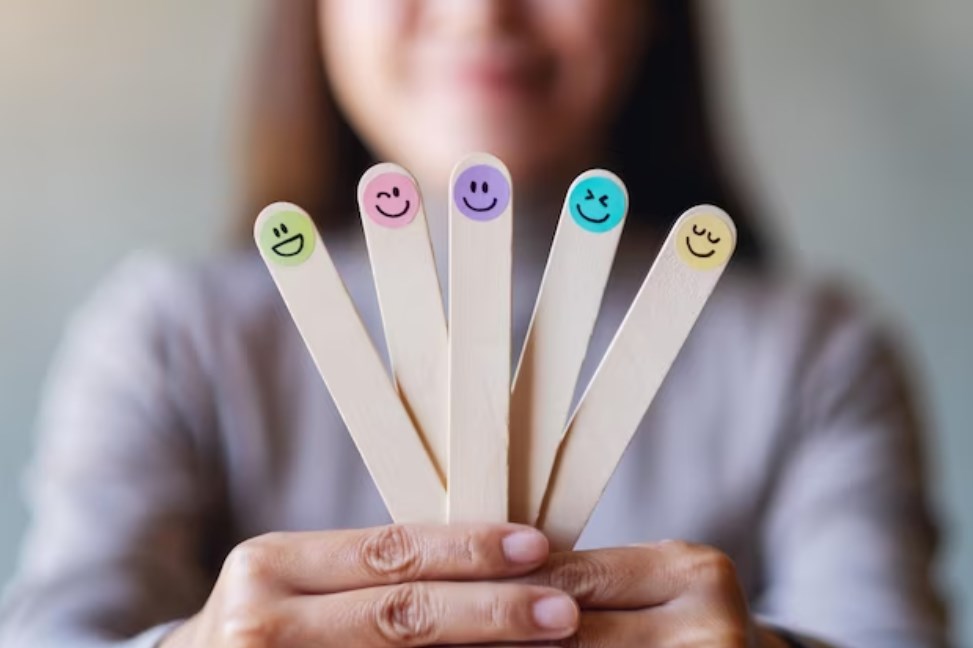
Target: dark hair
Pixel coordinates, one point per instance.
(662, 144)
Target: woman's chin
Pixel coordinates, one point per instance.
(432, 138)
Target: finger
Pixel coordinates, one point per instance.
(429, 614)
(634, 577)
(604, 629)
(659, 627)
(334, 561)
(608, 629)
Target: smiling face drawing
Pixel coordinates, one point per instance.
(391, 199)
(705, 242)
(287, 238)
(481, 192)
(598, 204)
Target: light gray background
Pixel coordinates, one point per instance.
(853, 122)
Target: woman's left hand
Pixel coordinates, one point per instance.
(666, 594)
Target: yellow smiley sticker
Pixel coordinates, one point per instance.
(704, 241)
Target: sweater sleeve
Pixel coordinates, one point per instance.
(119, 488)
(848, 540)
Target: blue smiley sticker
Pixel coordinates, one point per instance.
(598, 203)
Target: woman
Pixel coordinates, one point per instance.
(185, 421)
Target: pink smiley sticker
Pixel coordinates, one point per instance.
(391, 199)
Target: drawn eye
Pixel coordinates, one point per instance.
(283, 228)
(486, 188)
(276, 232)
(714, 241)
(473, 186)
(395, 191)
(590, 195)
(699, 231)
(604, 200)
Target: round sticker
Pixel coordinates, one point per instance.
(481, 192)
(705, 242)
(391, 199)
(287, 238)
(598, 204)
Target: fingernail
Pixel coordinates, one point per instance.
(525, 547)
(555, 613)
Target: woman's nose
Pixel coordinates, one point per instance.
(475, 18)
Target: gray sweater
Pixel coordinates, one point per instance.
(184, 415)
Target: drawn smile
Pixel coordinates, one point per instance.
(480, 209)
(711, 233)
(589, 218)
(697, 254)
(290, 246)
(405, 210)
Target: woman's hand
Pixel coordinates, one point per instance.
(659, 595)
(381, 587)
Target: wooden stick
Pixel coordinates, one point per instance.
(677, 287)
(349, 364)
(564, 316)
(409, 298)
(480, 239)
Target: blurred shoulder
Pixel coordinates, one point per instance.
(788, 311)
(153, 291)
(174, 313)
(792, 333)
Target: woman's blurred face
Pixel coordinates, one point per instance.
(536, 82)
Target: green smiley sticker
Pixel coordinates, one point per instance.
(287, 238)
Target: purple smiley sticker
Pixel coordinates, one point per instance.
(482, 192)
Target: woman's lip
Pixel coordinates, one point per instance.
(493, 68)
(489, 73)
(499, 75)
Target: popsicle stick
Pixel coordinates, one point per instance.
(349, 364)
(480, 239)
(690, 263)
(564, 316)
(409, 298)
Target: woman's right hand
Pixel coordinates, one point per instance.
(391, 586)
